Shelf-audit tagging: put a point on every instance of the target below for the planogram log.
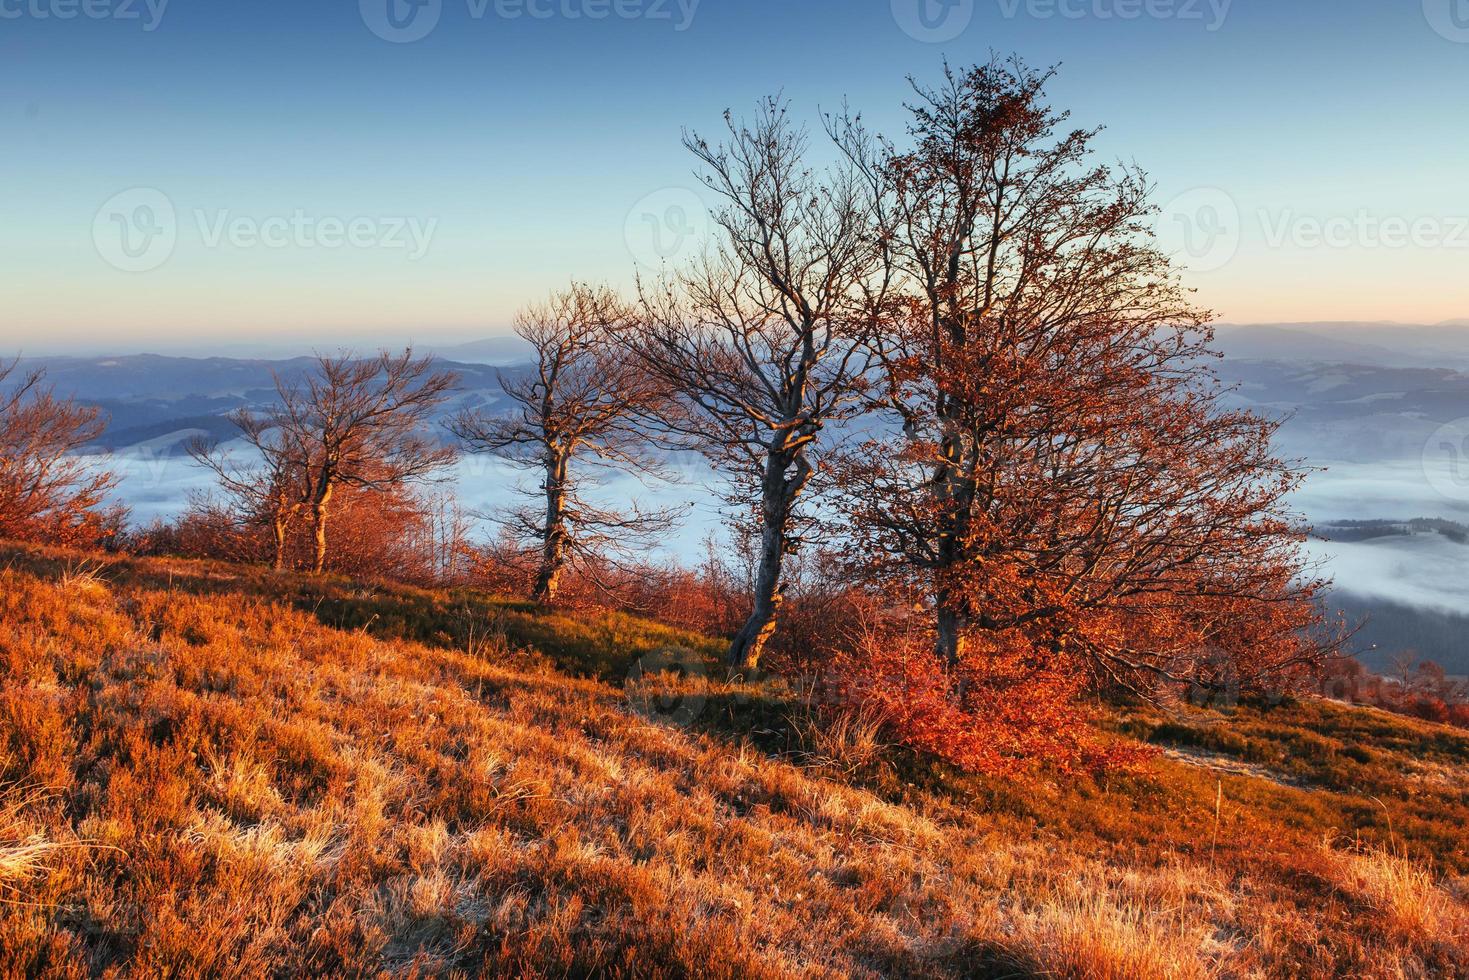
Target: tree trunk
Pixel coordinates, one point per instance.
(280, 542)
(553, 542)
(318, 524)
(956, 499)
(777, 494)
(949, 612)
(285, 511)
(749, 642)
(948, 628)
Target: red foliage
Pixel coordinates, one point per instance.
(1419, 688)
(395, 534)
(48, 491)
(1002, 711)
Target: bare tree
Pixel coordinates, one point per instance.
(358, 423)
(270, 484)
(763, 339)
(46, 489)
(581, 404)
(363, 424)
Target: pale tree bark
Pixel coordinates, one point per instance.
(575, 413)
(764, 339)
(285, 510)
(553, 548)
(355, 423)
(319, 514)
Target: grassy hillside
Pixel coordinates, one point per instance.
(210, 770)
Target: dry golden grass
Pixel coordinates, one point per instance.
(1097, 936)
(1401, 890)
(23, 849)
(228, 785)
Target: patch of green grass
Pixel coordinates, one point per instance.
(1357, 771)
(601, 644)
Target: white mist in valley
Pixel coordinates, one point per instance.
(1425, 570)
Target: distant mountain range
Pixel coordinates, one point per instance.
(159, 401)
(1352, 391)
(491, 350)
(1369, 343)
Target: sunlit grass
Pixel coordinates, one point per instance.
(228, 772)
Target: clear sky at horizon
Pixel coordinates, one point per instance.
(248, 172)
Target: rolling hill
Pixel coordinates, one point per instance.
(210, 770)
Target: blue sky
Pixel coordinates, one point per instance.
(319, 182)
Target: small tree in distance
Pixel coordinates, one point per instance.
(269, 485)
(355, 423)
(48, 492)
(580, 405)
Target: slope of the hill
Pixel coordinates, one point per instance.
(213, 771)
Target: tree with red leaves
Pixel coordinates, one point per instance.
(1061, 483)
(48, 492)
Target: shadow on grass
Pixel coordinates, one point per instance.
(591, 643)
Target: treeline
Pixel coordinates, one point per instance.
(1057, 503)
(1411, 686)
(1374, 529)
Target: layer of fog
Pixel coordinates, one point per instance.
(160, 488)
(1426, 571)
